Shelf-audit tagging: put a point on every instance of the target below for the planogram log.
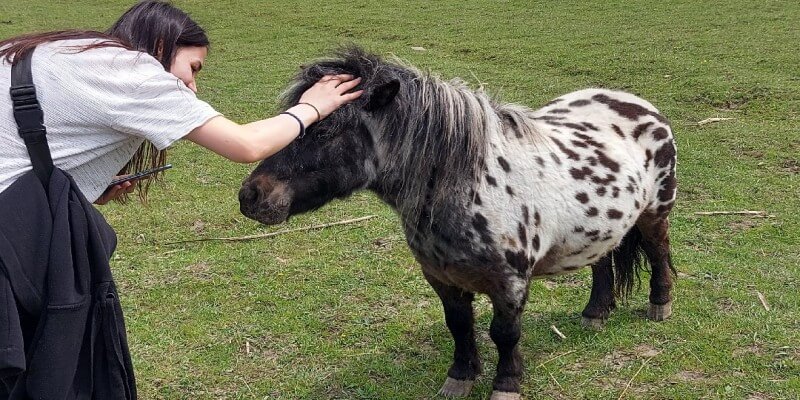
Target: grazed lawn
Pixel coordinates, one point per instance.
(344, 313)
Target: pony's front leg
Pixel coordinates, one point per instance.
(460, 320)
(505, 332)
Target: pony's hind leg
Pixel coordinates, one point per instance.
(460, 320)
(655, 242)
(601, 300)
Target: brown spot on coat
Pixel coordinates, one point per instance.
(660, 133)
(648, 157)
(522, 232)
(588, 140)
(481, 226)
(592, 212)
(601, 191)
(490, 180)
(535, 242)
(580, 103)
(569, 153)
(559, 111)
(630, 111)
(614, 214)
(575, 126)
(504, 164)
(618, 131)
(581, 136)
(606, 161)
(549, 118)
(580, 174)
(640, 129)
(579, 144)
(509, 190)
(590, 126)
(518, 261)
(665, 155)
(582, 197)
(604, 181)
(668, 186)
(526, 214)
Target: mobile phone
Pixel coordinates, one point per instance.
(140, 175)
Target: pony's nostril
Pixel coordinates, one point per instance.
(248, 194)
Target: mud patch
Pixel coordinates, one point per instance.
(690, 377)
(791, 166)
(619, 359)
(727, 305)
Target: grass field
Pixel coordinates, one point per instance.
(344, 313)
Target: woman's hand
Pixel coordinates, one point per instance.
(116, 191)
(331, 92)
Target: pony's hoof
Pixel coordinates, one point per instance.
(505, 396)
(455, 388)
(593, 323)
(659, 312)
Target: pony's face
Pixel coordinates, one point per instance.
(335, 158)
(308, 173)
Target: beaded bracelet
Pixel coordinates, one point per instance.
(302, 127)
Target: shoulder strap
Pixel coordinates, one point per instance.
(30, 118)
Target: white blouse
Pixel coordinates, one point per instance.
(99, 106)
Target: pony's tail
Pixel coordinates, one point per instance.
(628, 259)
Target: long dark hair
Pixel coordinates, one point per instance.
(159, 29)
(154, 27)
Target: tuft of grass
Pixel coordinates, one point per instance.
(344, 313)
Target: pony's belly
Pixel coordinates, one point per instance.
(573, 255)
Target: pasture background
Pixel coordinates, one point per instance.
(344, 313)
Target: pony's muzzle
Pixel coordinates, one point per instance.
(265, 200)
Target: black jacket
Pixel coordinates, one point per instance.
(62, 334)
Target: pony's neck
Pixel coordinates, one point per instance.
(432, 144)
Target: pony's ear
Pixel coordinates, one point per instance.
(383, 95)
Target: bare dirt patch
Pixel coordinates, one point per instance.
(791, 166)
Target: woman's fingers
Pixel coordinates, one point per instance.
(129, 186)
(348, 97)
(336, 78)
(331, 92)
(116, 191)
(346, 86)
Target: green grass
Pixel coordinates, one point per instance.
(344, 313)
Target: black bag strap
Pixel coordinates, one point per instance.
(30, 117)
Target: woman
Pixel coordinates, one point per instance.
(112, 103)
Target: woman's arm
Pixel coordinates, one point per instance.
(258, 140)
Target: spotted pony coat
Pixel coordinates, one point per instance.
(491, 195)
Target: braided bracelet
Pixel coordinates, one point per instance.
(302, 127)
(319, 116)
